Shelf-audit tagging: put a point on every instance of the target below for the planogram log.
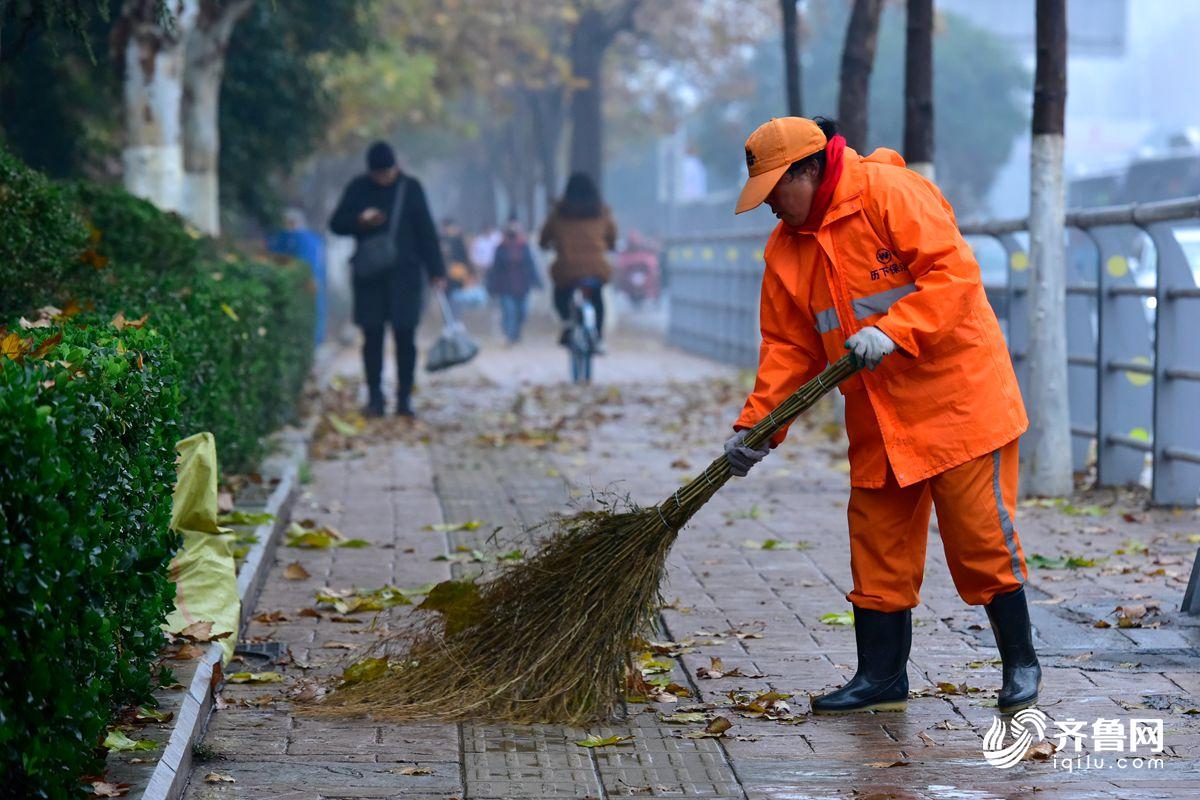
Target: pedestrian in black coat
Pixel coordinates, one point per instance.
(396, 296)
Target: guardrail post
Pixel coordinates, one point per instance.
(1018, 305)
(1176, 400)
(1082, 268)
(1126, 399)
(750, 266)
(713, 289)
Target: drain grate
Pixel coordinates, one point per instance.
(268, 651)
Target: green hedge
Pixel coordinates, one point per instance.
(87, 432)
(42, 236)
(242, 328)
(86, 437)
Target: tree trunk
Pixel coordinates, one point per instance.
(204, 67)
(1047, 452)
(918, 87)
(590, 40)
(547, 119)
(587, 107)
(791, 57)
(153, 59)
(858, 58)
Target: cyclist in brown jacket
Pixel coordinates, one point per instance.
(581, 231)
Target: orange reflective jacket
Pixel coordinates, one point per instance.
(889, 254)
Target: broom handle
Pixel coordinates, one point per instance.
(800, 401)
(679, 506)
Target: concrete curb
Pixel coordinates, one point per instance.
(171, 773)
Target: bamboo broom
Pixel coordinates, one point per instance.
(546, 639)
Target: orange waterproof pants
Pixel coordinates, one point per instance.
(976, 505)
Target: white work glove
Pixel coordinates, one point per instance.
(869, 346)
(742, 457)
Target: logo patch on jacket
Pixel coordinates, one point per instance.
(888, 265)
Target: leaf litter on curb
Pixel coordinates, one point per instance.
(353, 601)
(1137, 615)
(716, 669)
(343, 427)
(648, 665)
(665, 648)
(715, 729)
(313, 538)
(469, 555)
(595, 740)
(240, 517)
(142, 715)
(1062, 562)
(201, 632)
(118, 742)
(453, 527)
(775, 544)
(254, 677)
(295, 571)
(845, 618)
(770, 705)
(367, 669)
(109, 789)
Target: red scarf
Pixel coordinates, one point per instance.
(829, 181)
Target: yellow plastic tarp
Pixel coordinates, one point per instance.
(203, 570)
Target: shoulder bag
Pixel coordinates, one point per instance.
(377, 254)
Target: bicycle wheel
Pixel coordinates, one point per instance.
(587, 365)
(579, 366)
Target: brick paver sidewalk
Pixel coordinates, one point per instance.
(501, 442)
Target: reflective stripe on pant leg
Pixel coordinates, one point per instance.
(982, 546)
(1006, 523)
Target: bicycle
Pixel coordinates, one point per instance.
(582, 334)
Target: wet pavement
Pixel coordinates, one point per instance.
(504, 441)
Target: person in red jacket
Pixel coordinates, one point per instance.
(513, 274)
(867, 257)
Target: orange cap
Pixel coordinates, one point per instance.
(770, 150)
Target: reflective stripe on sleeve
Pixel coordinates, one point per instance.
(880, 302)
(827, 320)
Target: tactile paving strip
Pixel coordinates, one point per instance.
(543, 761)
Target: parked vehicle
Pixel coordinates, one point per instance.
(637, 273)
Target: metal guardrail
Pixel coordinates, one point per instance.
(713, 285)
(1133, 328)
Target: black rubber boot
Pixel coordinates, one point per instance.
(374, 406)
(881, 682)
(1009, 614)
(404, 403)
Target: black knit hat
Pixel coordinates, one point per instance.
(380, 156)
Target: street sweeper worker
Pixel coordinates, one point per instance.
(867, 259)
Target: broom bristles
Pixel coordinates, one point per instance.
(546, 639)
